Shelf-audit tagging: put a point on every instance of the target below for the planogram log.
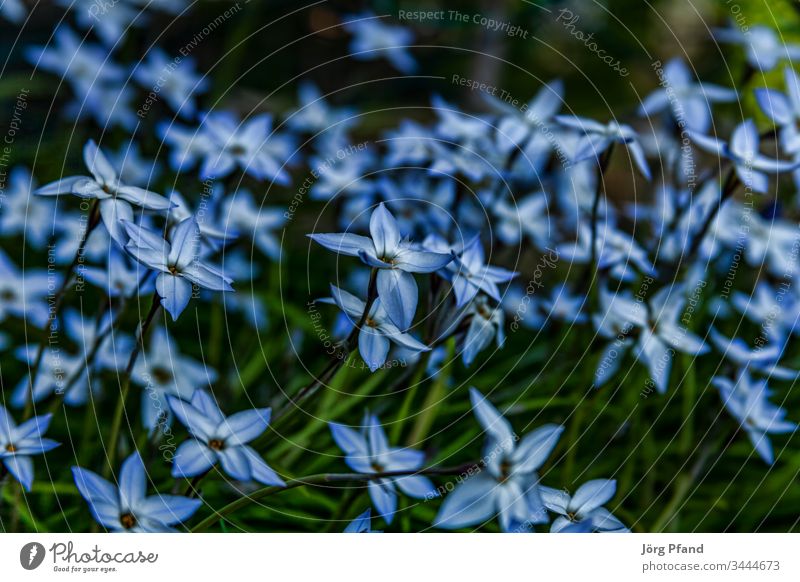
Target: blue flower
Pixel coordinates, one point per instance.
(485, 324)
(747, 400)
(22, 214)
(13, 10)
(315, 115)
(378, 330)
(529, 126)
(225, 143)
(616, 252)
(470, 274)
(508, 485)
(688, 101)
(762, 359)
(22, 294)
(120, 278)
(583, 511)
(764, 49)
(128, 508)
(19, 442)
(784, 110)
(658, 329)
(177, 83)
(751, 166)
(368, 451)
(372, 39)
(361, 524)
(597, 138)
(178, 263)
(241, 214)
(55, 368)
(164, 371)
(86, 66)
(395, 257)
(220, 439)
(116, 199)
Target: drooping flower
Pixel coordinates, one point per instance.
(748, 401)
(19, 442)
(368, 451)
(508, 486)
(220, 439)
(378, 330)
(178, 263)
(361, 524)
(394, 257)
(126, 507)
(469, 274)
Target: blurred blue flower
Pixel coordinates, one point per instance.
(373, 39)
(164, 371)
(763, 48)
(688, 101)
(173, 78)
(747, 400)
(597, 138)
(751, 166)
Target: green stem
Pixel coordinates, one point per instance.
(318, 480)
(116, 423)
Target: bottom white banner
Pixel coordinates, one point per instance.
(335, 557)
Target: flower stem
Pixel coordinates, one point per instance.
(116, 423)
(319, 480)
(335, 364)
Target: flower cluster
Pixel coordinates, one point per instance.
(166, 266)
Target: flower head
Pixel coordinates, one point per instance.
(127, 508)
(220, 439)
(368, 451)
(19, 442)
